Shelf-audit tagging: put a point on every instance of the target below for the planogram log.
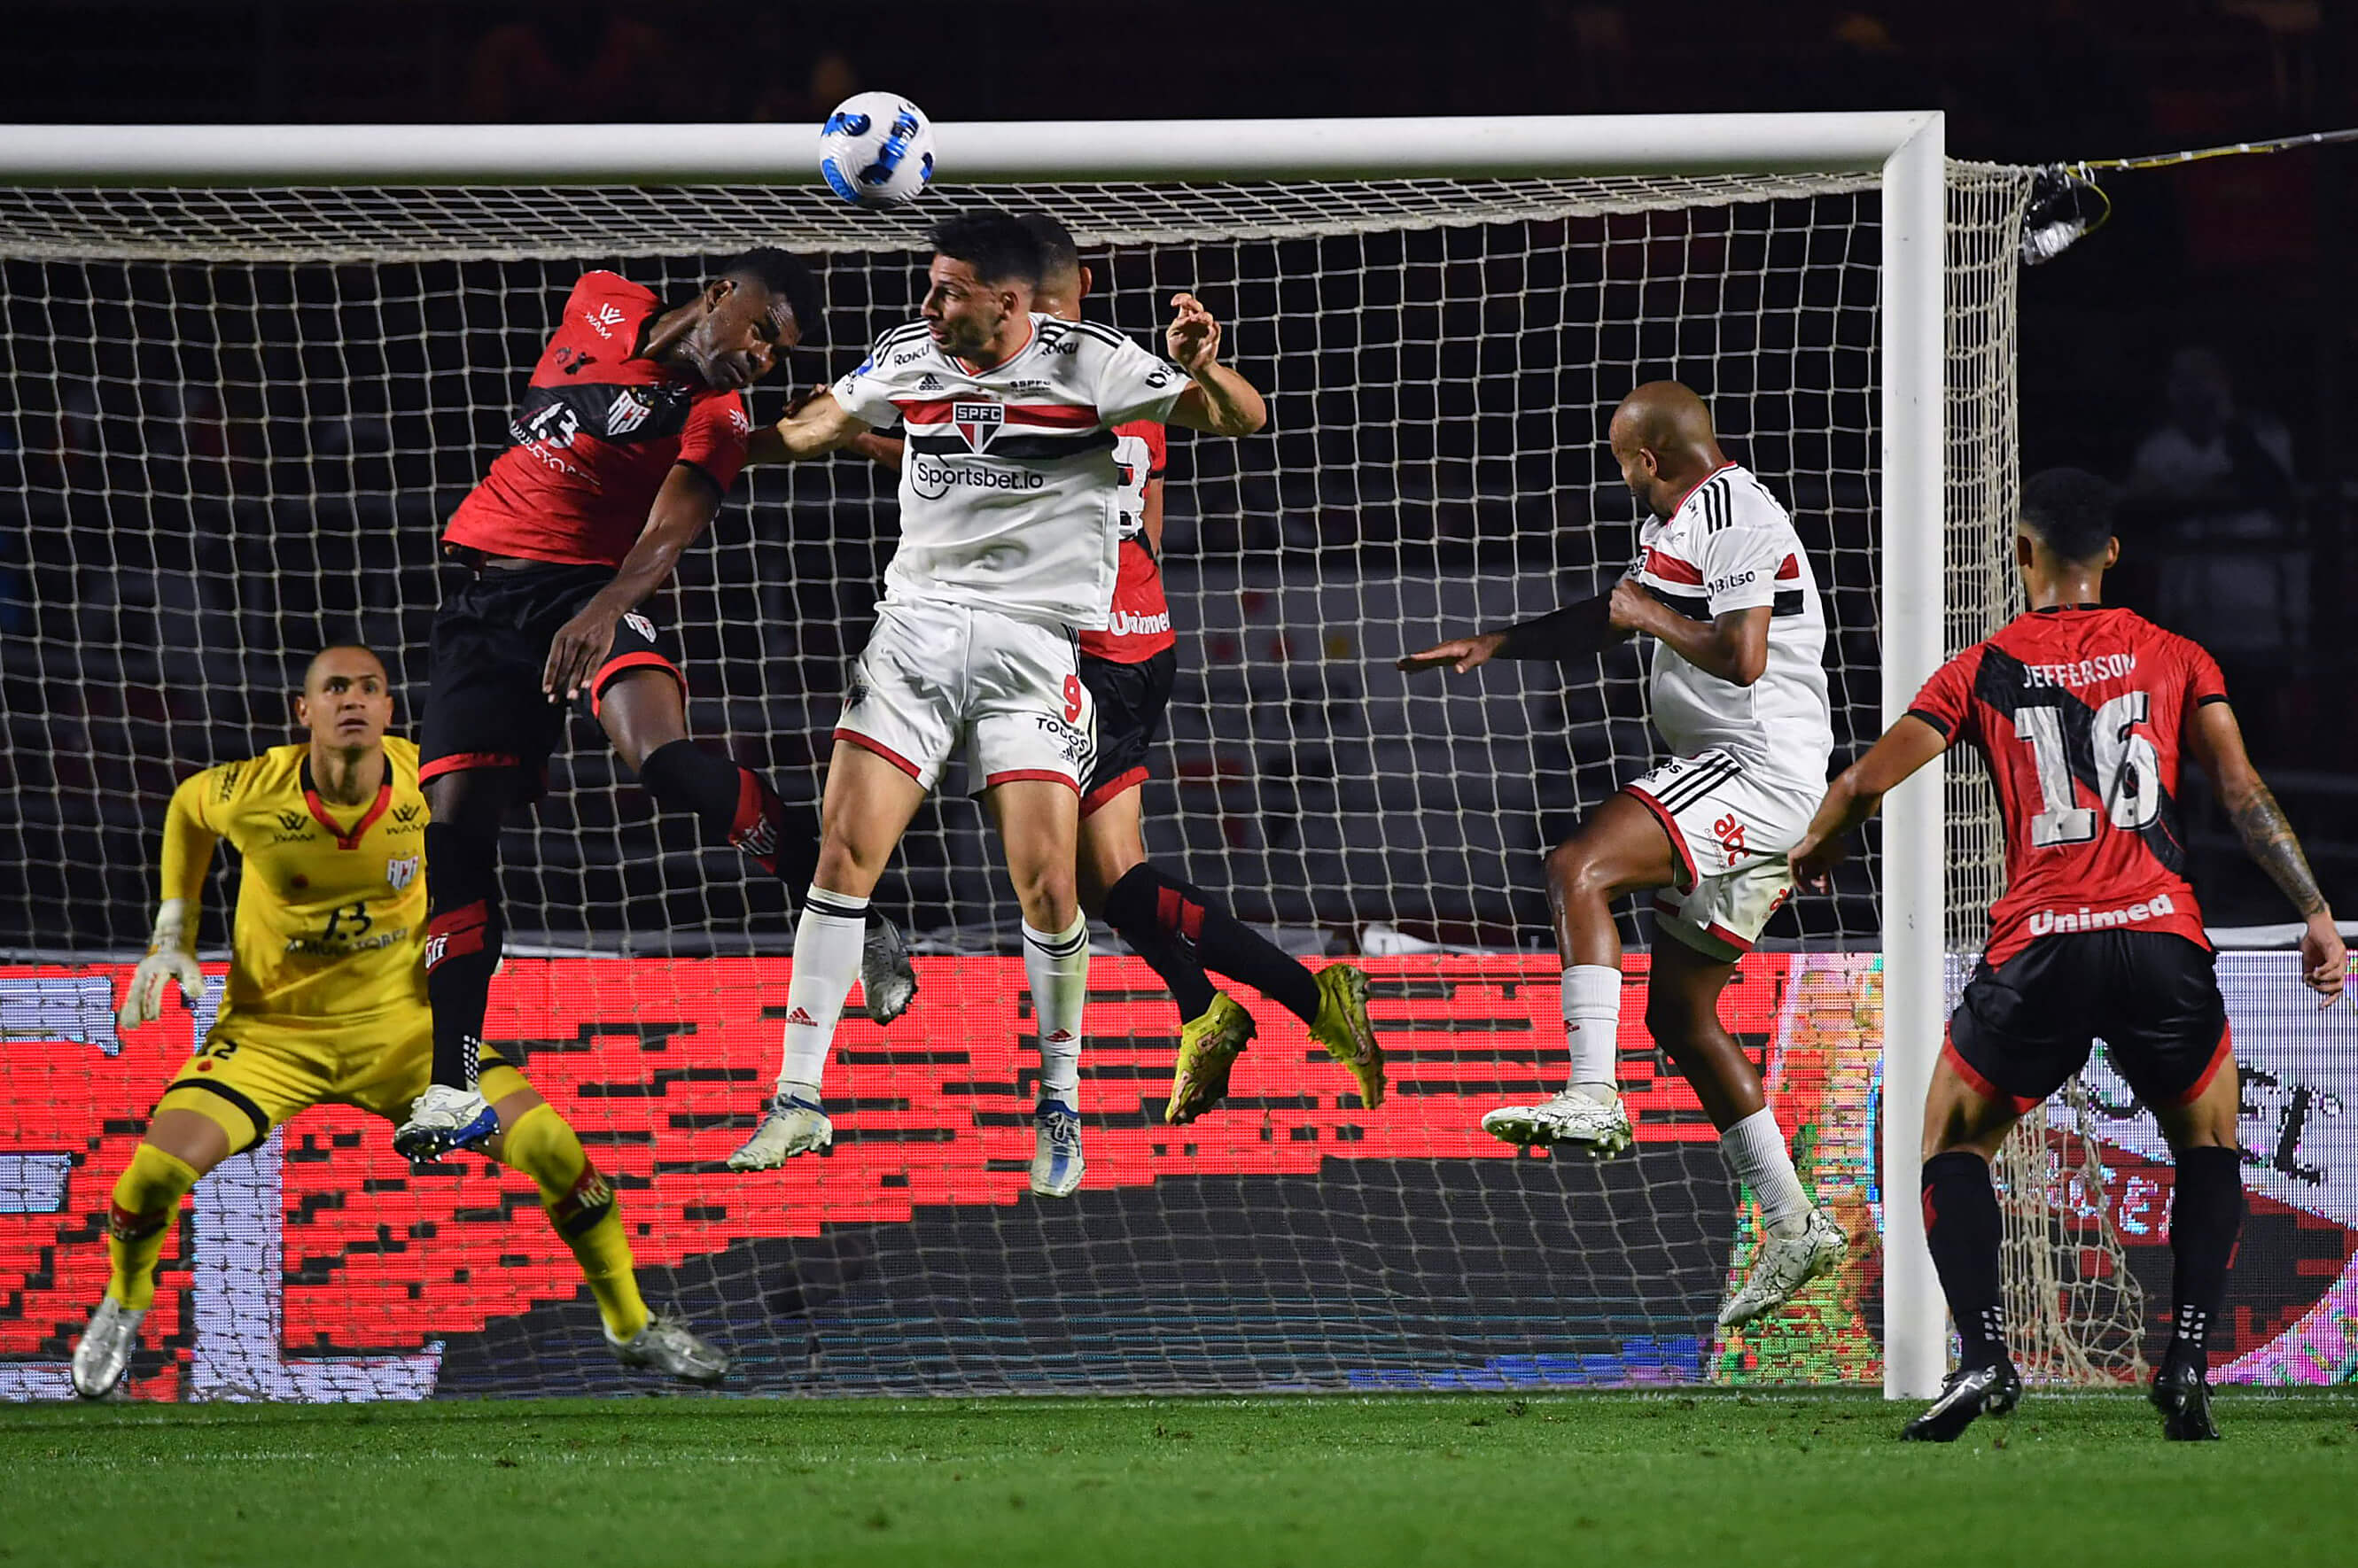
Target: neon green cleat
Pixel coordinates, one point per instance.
(1208, 1047)
(1343, 1027)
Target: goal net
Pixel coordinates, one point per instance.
(240, 417)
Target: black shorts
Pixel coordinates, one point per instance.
(1129, 701)
(2022, 1029)
(484, 707)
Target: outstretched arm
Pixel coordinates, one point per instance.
(818, 427)
(2217, 742)
(1221, 401)
(683, 507)
(171, 951)
(1858, 794)
(1584, 627)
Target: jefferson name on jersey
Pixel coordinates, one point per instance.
(1729, 546)
(2081, 713)
(1010, 487)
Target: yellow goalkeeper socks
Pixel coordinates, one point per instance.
(146, 1200)
(580, 1205)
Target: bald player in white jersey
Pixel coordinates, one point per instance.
(1009, 537)
(1739, 691)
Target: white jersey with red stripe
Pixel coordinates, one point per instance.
(1009, 488)
(1730, 546)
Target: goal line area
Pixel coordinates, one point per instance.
(1293, 1239)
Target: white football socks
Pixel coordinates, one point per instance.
(1591, 1027)
(1058, 969)
(826, 960)
(1755, 1150)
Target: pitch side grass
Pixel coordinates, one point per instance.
(1710, 1478)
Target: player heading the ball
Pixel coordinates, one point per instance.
(1739, 690)
(1128, 668)
(326, 1002)
(2084, 716)
(632, 430)
(1010, 542)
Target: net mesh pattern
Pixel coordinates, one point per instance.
(242, 416)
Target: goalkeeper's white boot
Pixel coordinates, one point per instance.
(792, 1124)
(1570, 1118)
(670, 1347)
(1056, 1163)
(887, 979)
(443, 1120)
(105, 1347)
(1784, 1264)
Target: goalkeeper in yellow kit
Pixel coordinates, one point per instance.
(327, 1001)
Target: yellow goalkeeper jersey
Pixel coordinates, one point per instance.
(332, 910)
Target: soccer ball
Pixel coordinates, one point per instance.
(877, 150)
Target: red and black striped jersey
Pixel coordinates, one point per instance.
(2080, 712)
(1139, 625)
(595, 438)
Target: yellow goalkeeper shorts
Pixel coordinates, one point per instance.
(248, 1077)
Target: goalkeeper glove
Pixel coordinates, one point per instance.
(169, 958)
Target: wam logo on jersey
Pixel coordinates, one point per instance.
(978, 422)
(400, 871)
(604, 319)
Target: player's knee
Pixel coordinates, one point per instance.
(148, 1194)
(1575, 871)
(1048, 897)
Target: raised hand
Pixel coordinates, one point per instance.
(1194, 337)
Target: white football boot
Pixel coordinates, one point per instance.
(1056, 1163)
(105, 1347)
(670, 1347)
(887, 979)
(791, 1125)
(1570, 1118)
(444, 1120)
(1784, 1264)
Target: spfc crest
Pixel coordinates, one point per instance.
(978, 422)
(400, 871)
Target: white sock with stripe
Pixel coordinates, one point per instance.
(1058, 969)
(828, 940)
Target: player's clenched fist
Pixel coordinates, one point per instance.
(169, 961)
(1194, 337)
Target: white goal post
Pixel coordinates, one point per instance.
(1906, 149)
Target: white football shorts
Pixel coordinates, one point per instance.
(949, 683)
(1731, 828)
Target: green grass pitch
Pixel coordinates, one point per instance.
(1710, 1478)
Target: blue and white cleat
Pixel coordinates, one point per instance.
(104, 1349)
(444, 1121)
(792, 1124)
(1056, 1163)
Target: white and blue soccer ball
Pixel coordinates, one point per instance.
(877, 150)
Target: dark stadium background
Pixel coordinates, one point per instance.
(2248, 257)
